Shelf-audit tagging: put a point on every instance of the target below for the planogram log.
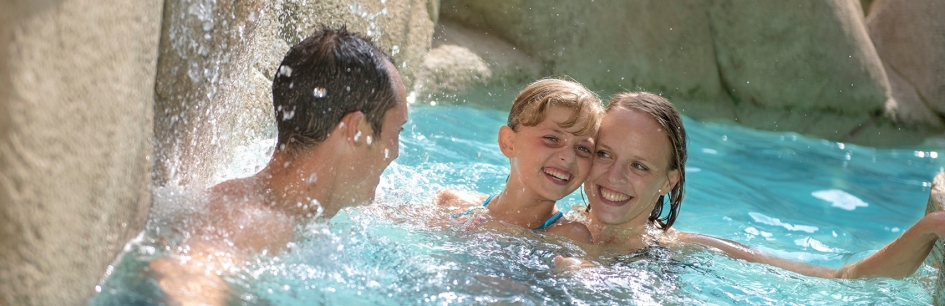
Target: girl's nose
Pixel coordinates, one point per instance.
(567, 156)
(616, 175)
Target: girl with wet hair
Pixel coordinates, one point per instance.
(640, 160)
(549, 140)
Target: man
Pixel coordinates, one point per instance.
(340, 105)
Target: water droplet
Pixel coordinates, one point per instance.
(369, 140)
(348, 88)
(285, 71)
(312, 178)
(386, 153)
(357, 136)
(319, 92)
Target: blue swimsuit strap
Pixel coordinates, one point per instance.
(554, 218)
(486, 202)
(474, 209)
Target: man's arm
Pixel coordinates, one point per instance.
(193, 277)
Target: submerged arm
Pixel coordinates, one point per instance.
(740, 251)
(903, 256)
(194, 277)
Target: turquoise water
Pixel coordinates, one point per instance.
(809, 200)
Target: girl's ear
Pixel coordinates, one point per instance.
(506, 141)
(673, 179)
(354, 127)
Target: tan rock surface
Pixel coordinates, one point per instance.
(908, 36)
(467, 65)
(75, 142)
(807, 66)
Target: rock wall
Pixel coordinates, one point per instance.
(76, 102)
(908, 37)
(217, 62)
(804, 66)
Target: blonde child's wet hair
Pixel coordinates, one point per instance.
(532, 104)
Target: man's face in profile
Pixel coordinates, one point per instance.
(386, 148)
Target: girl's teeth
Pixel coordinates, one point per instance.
(613, 196)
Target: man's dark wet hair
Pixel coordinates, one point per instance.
(324, 77)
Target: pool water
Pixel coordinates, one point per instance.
(809, 200)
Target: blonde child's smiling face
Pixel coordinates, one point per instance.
(548, 159)
(631, 168)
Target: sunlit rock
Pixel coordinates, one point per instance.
(76, 102)
(808, 66)
(467, 65)
(908, 37)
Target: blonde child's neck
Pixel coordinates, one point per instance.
(520, 207)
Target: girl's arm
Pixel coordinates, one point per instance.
(904, 255)
(739, 251)
(899, 259)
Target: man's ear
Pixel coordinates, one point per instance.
(354, 127)
(506, 141)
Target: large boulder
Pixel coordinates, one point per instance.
(467, 65)
(76, 102)
(776, 66)
(908, 37)
(652, 45)
(805, 66)
(217, 62)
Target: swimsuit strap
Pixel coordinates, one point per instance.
(474, 209)
(486, 202)
(554, 218)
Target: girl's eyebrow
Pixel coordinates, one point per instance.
(556, 130)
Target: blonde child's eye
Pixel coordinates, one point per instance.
(551, 138)
(602, 154)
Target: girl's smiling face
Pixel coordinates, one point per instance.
(547, 159)
(631, 168)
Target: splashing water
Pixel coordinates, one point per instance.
(285, 71)
(404, 250)
(319, 92)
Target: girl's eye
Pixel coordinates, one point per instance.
(639, 166)
(602, 154)
(584, 149)
(551, 138)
